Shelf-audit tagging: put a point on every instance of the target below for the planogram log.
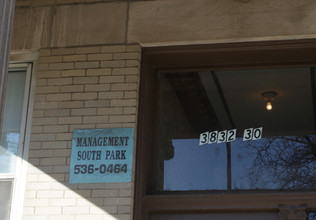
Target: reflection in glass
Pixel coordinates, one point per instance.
(191, 103)
(275, 163)
(5, 199)
(311, 216)
(194, 160)
(8, 151)
(12, 121)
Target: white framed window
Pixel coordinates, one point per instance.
(14, 140)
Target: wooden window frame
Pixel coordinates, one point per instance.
(268, 54)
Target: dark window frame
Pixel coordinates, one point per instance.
(289, 53)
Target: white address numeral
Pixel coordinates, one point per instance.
(204, 138)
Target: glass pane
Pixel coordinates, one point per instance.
(12, 121)
(280, 162)
(217, 216)
(193, 161)
(215, 133)
(312, 216)
(5, 199)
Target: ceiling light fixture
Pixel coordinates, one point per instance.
(269, 96)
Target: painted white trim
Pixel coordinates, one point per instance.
(28, 127)
(7, 176)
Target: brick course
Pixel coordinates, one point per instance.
(79, 88)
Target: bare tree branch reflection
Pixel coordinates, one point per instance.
(286, 162)
(312, 216)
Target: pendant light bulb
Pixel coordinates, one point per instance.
(269, 106)
(269, 96)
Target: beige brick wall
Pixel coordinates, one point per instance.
(79, 88)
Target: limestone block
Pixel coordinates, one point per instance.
(181, 20)
(69, 25)
(31, 29)
(89, 24)
(212, 20)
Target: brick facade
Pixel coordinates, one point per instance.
(79, 88)
(88, 71)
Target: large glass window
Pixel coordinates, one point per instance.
(12, 121)
(216, 130)
(12, 137)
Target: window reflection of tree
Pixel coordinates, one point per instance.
(286, 162)
(312, 216)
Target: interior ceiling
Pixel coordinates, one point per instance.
(194, 100)
(233, 99)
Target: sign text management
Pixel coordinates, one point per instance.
(102, 141)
